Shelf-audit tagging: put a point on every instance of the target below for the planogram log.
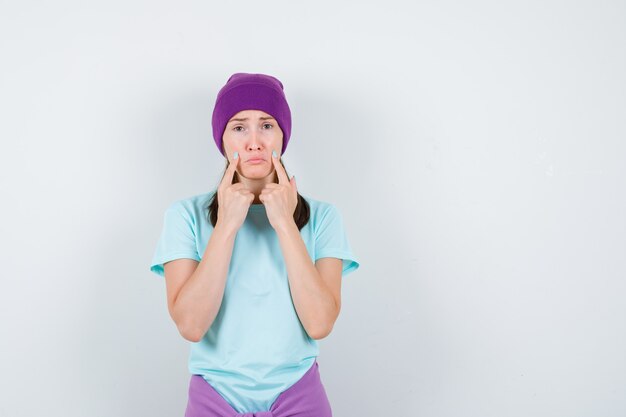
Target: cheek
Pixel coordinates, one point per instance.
(276, 138)
(229, 146)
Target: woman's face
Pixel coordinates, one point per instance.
(254, 134)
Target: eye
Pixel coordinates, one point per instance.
(268, 124)
(237, 127)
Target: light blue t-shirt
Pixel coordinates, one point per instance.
(256, 347)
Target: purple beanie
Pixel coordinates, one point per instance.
(244, 91)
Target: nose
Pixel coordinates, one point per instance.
(255, 141)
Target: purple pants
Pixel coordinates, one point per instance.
(305, 398)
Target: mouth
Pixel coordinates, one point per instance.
(255, 160)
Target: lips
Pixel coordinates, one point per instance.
(255, 160)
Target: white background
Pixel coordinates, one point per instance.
(475, 149)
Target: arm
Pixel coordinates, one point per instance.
(315, 293)
(194, 297)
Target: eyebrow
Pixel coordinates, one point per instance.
(246, 118)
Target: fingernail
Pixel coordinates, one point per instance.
(236, 155)
(274, 153)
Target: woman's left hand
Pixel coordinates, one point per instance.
(280, 199)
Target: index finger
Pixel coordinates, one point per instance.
(280, 170)
(230, 173)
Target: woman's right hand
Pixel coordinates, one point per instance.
(234, 199)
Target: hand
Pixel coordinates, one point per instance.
(280, 199)
(234, 199)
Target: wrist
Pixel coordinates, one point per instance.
(225, 229)
(287, 227)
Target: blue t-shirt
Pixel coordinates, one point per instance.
(256, 347)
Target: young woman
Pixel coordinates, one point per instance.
(253, 269)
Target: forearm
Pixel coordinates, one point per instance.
(314, 302)
(200, 299)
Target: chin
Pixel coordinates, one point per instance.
(256, 174)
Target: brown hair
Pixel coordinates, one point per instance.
(301, 215)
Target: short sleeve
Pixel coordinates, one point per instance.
(331, 240)
(177, 239)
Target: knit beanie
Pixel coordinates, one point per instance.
(244, 91)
